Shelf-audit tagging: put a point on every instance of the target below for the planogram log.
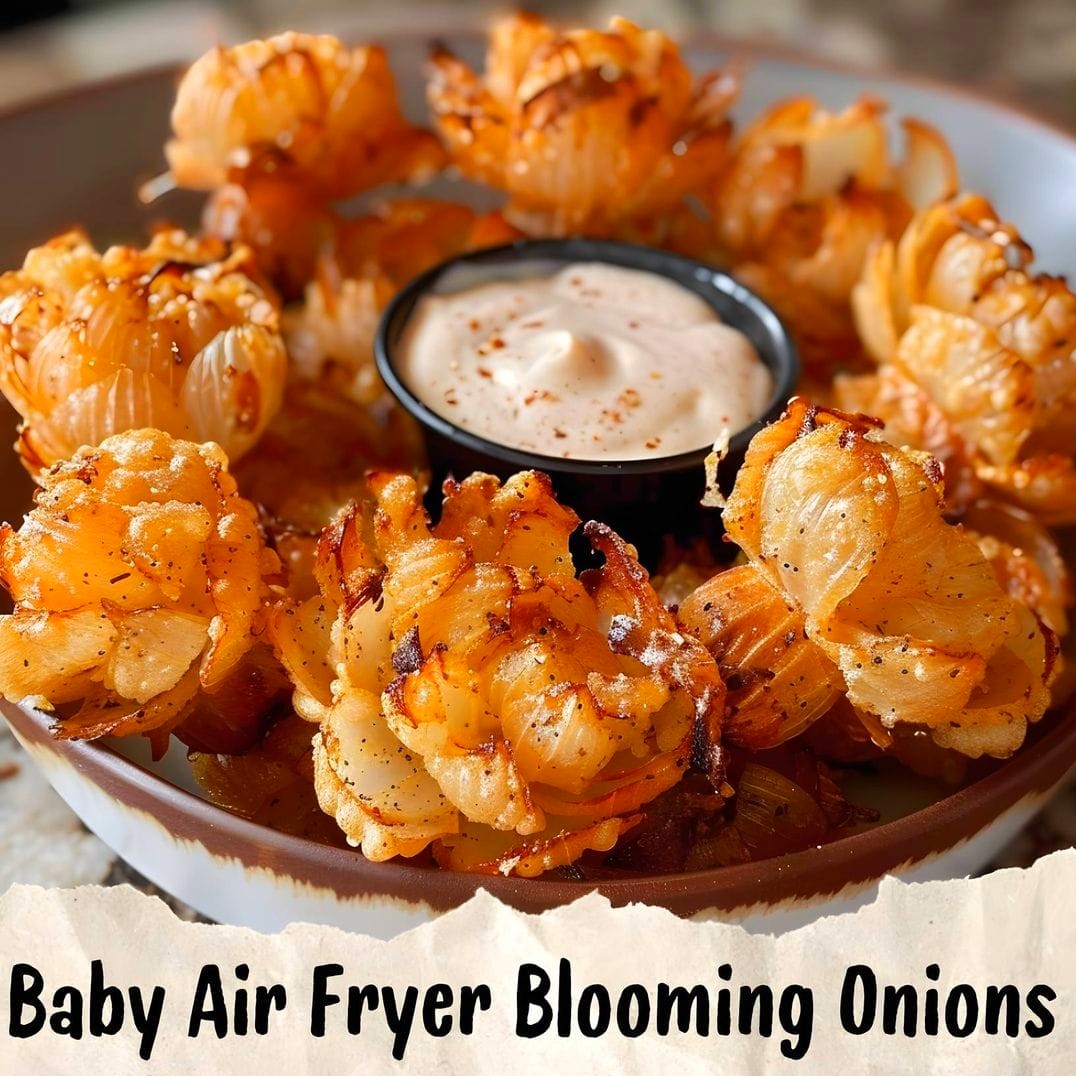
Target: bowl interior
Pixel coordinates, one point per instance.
(110, 136)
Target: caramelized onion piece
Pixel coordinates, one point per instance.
(849, 531)
(774, 815)
(586, 131)
(954, 309)
(481, 688)
(139, 581)
(179, 336)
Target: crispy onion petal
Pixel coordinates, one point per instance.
(779, 681)
(1025, 558)
(301, 637)
(54, 654)
(234, 386)
(619, 792)
(365, 779)
(850, 531)
(106, 714)
(481, 851)
(155, 647)
(127, 400)
(482, 670)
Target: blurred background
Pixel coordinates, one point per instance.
(1020, 49)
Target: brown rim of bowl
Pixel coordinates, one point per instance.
(855, 860)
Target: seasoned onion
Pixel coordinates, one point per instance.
(806, 195)
(586, 131)
(300, 105)
(139, 581)
(482, 692)
(848, 529)
(954, 309)
(178, 336)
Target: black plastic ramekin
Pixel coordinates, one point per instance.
(643, 499)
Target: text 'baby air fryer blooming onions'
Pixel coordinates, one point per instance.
(870, 593)
(177, 336)
(474, 693)
(139, 580)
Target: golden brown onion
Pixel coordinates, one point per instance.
(300, 105)
(178, 336)
(586, 131)
(476, 690)
(138, 580)
(806, 195)
(955, 309)
(849, 530)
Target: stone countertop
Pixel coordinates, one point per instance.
(1025, 51)
(42, 842)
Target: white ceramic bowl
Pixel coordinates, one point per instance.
(151, 814)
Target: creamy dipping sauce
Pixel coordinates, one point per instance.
(590, 362)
